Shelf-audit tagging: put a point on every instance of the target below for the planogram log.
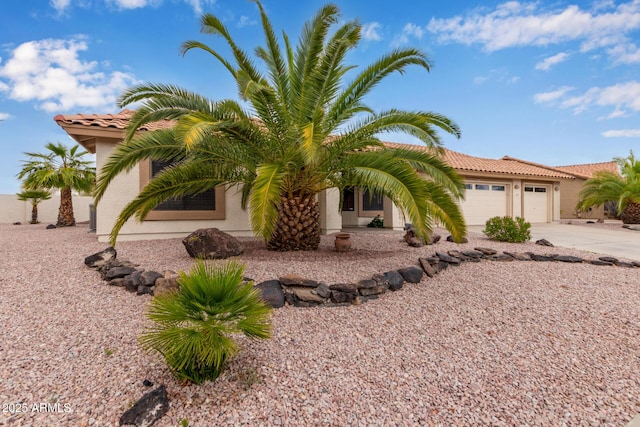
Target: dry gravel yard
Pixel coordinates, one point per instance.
(491, 343)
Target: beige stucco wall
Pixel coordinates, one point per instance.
(570, 190)
(13, 210)
(125, 187)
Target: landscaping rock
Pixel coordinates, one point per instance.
(295, 280)
(17, 223)
(116, 282)
(165, 285)
(450, 239)
(427, 267)
(306, 294)
(537, 257)
(343, 297)
(149, 409)
(624, 264)
(148, 278)
(568, 258)
(51, 227)
(411, 274)
(544, 242)
(519, 256)
(411, 239)
(448, 258)
(374, 290)
(323, 290)
(144, 290)
(350, 288)
(608, 259)
(211, 243)
(100, 258)
(272, 293)
(394, 279)
(473, 254)
(435, 238)
(501, 257)
(486, 251)
(132, 281)
(116, 272)
(600, 262)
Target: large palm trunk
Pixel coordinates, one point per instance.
(631, 213)
(65, 213)
(298, 227)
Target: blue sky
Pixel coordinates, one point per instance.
(555, 82)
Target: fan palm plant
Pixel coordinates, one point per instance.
(60, 168)
(193, 328)
(307, 130)
(622, 188)
(34, 197)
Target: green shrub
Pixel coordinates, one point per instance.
(376, 222)
(193, 327)
(506, 229)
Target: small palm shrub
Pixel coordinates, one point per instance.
(506, 229)
(193, 327)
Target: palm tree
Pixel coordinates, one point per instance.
(60, 168)
(623, 189)
(34, 197)
(307, 130)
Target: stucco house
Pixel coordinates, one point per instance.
(571, 188)
(505, 186)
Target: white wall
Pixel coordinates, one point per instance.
(13, 210)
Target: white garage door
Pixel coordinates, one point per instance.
(484, 200)
(536, 203)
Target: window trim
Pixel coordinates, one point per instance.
(165, 215)
(367, 214)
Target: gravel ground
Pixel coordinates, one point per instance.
(519, 343)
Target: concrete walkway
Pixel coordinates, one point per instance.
(623, 243)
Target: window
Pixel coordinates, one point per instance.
(371, 202)
(482, 187)
(349, 199)
(528, 189)
(497, 188)
(207, 205)
(468, 186)
(540, 190)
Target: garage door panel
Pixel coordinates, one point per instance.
(484, 200)
(536, 203)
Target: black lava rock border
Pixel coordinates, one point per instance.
(303, 292)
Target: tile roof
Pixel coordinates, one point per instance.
(117, 121)
(588, 169)
(461, 162)
(506, 165)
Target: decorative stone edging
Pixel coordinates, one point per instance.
(302, 292)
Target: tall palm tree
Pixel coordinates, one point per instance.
(306, 130)
(34, 197)
(622, 188)
(60, 168)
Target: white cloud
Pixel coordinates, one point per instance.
(245, 21)
(410, 30)
(498, 75)
(60, 5)
(540, 98)
(129, 4)
(622, 133)
(547, 63)
(524, 24)
(371, 31)
(624, 98)
(4, 116)
(625, 54)
(480, 79)
(50, 73)
(198, 5)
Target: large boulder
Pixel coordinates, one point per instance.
(146, 411)
(272, 293)
(211, 243)
(100, 258)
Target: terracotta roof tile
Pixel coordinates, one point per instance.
(588, 169)
(506, 165)
(117, 121)
(461, 162)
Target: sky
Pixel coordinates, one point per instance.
(553, 82)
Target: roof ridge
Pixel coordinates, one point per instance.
(540, 165)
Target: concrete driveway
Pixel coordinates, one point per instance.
(623, 243)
